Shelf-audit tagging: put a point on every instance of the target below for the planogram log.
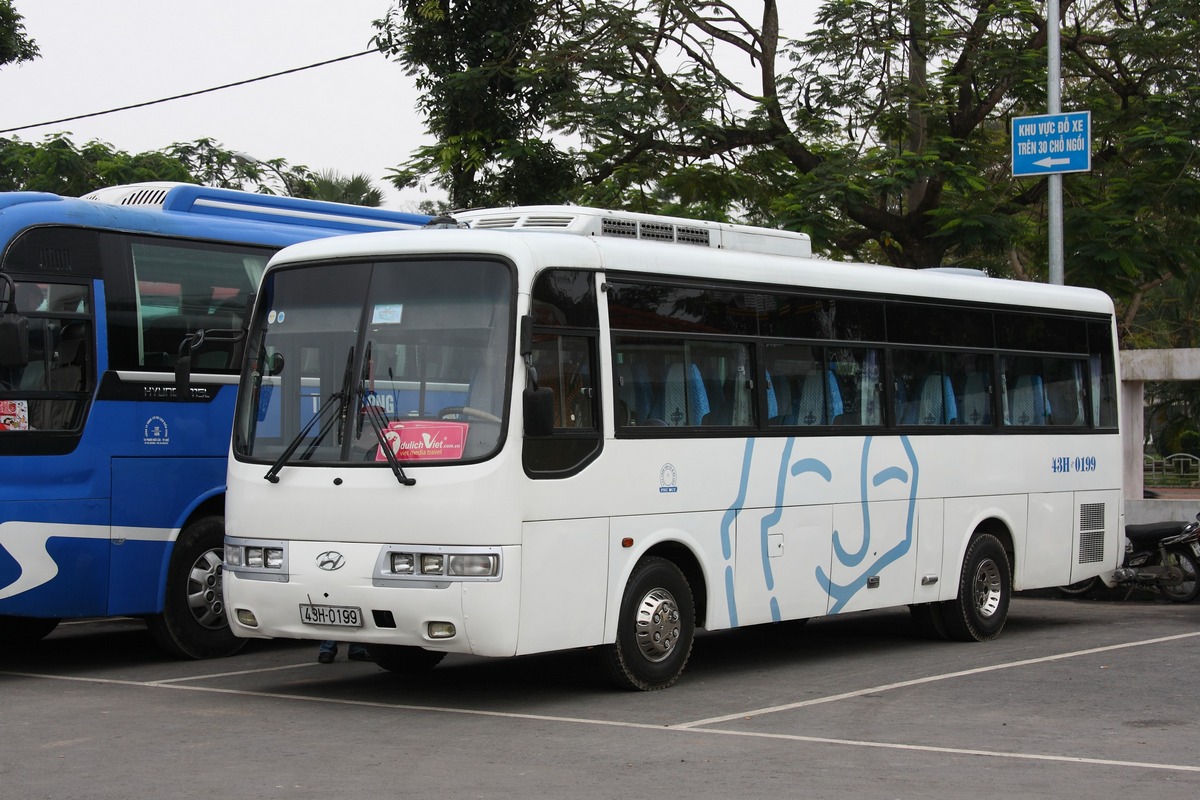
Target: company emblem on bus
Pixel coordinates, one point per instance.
(156, 432)
(418, 441)
(668, 479)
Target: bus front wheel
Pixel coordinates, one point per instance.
(193, 623)
(984, 589)
(655, 629)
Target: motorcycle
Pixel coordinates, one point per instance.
(1158, 555)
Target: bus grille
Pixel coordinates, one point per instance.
(1091, 533)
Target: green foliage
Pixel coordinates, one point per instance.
(484, 98)
(15, 44)
(337, 188)
(60, 166)
(884, 133)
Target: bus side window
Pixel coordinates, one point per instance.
(563, 365)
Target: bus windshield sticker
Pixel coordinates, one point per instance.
(387, 313)
(425, 441)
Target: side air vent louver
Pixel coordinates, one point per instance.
(145, 197)
(658, 232)
(685, 235)
(619, 227)
(54, 259)
(497, 222)
(1091, 533)
(549, 222)
(654, 231)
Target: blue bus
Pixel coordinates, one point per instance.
(112, 475)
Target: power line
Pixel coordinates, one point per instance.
(189, 94)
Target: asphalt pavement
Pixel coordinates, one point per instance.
(1091, 698)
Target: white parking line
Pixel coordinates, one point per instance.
(930, 679)
(693, 727)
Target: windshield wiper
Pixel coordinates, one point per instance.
(339, 401)
(374, 414)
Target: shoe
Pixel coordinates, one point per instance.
(326, 657)
(360, 655)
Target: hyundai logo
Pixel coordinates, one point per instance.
(331, 560)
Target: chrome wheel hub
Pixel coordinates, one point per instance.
(987, 588)
(657, 625)
(204, 590)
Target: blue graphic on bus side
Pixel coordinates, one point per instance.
(868, 480)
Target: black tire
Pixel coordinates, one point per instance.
(405, 660)
(25, 630)
(1079, 588)
(928, 620)
(984, 590)
(193, 623)
(1189, 589)
(655, 629)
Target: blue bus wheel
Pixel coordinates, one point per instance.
(193, 623)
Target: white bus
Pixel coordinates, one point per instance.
(561, 427)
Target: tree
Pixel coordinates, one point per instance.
(884, 133)
(60, 166)
(355, 189)
(15, 44)
(485, 98)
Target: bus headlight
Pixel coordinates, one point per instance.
(403, 563)
(257, 559)
(400, 564)
(474, 565)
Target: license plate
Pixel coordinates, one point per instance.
(341, 616)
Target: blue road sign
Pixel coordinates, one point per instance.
(1051, 143)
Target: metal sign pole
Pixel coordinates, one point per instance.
(1054, 106)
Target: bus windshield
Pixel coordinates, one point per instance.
(413, 355)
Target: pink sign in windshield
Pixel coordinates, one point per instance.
(424, 440)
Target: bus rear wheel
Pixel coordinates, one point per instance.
(403, 659)
(984, 590)
(655, 629)
(25, 630)
(193, 623)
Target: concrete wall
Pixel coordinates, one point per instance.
(1137, 367)
(1138, 512)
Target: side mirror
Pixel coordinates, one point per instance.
(183, 376)
(539, 412)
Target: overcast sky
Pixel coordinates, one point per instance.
(357, 116)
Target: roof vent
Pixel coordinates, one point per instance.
(133, 194)
(646, 227)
